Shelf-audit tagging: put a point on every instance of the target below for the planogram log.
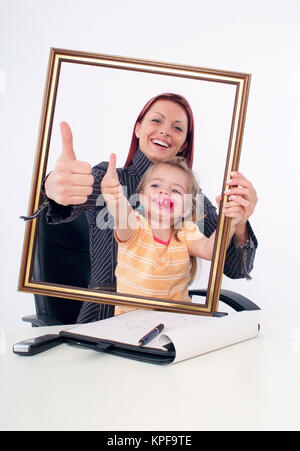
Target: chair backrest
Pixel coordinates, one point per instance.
(62, 257)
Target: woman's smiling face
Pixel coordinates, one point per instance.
(163, 130)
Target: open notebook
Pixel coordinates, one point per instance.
(184, 336)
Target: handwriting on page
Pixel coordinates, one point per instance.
(130, 327)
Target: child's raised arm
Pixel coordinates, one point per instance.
(117, 203)
(203, 248)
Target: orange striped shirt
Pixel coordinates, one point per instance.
(149, 268)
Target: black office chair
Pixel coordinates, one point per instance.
(62, 257)
(234, 300)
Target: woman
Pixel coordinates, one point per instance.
(163, 129)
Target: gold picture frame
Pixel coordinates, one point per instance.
(57, 58)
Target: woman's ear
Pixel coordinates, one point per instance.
(184, 146)
(137, 129)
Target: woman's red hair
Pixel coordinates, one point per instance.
(188, 151)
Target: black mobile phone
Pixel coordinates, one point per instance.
(36, 345)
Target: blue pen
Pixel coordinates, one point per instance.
(150, 335)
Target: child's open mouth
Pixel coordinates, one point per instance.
(165, 203)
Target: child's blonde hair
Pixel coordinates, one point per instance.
(194, 190)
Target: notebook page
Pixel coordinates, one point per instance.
(213, 333)
(131, 327)
(191, 334)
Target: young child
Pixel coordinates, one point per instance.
(157, 249)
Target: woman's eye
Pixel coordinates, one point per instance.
(155, 120)
(154, 185)
(176, 191)
(179, 129)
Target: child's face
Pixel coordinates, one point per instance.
(165, 194)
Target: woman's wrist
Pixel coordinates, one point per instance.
(241, 234)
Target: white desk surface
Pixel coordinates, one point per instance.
(253, 385)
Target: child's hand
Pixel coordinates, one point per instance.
(117, 203)
(110, 185)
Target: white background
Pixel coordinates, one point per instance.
(260, 37)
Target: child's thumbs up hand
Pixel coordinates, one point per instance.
(110, 185)
(111, 169)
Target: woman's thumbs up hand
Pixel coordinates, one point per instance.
(71, 181)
